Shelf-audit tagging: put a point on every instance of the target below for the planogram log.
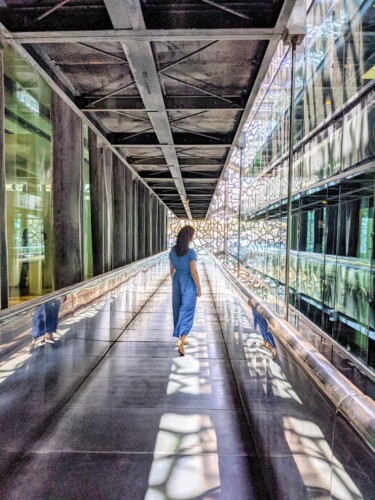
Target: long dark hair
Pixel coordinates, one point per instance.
(184, 237)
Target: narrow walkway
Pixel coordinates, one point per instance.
(148, 423)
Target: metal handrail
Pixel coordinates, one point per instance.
(357, 408)
(6, 314)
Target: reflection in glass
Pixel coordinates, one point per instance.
(332, 258)
(44, 323)
(28, 179)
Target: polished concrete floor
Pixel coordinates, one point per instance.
(137, 420)
(111, 411)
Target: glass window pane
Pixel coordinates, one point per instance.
(28, 165)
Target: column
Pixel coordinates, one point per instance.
(155, 225)
(67, 153)
(135, 220)
(3, 228)
(160, 227)
(96, 193)
(107, 159)
(141, 221)
(148, 223)
(165, 220)
(119, 213)
(129, 215)
(101, 204)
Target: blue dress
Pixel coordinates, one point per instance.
(184, 292)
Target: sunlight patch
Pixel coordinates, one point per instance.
(315, 461)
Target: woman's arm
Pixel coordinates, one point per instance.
(171, 269)
(195, 275)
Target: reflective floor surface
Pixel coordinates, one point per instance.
(111, 411)
(136, 420)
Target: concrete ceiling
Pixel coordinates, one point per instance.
(169, 83)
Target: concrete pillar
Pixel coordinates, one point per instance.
(129, 215)
(141, 221)
(148, 223)
(119, 213)
(3, 227)
(165, 222)
(101, 204)
(154, 226)
(160, 233)
(96, 195)
(135, 220)
(107, 159)
(163, 228)
(67, 153)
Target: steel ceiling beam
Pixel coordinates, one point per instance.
(52, 78)
(104, 52)
(128, 18)
(188, 56)
(226, 9)
(202, 180)
(139, 34)
(146, 145)
(188, 139)
(207, 196)
(114, 92)
(127, 14)
(50, 11)
(200, 89)
(145, 162)
(96, 92)
(207, 168)
(177, 103)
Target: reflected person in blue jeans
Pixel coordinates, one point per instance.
(186, 285)
(44, 322)
(268, 340)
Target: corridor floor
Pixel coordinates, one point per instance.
(147, 423)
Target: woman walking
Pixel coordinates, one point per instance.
(186, 285)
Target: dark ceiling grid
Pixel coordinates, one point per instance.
(128, 15)
(111, 94)
(193, 189)
(226, 9)
(51, 10)
(189, 181)
(69, 14)
(172, 123)
(100, 51)
(194, 66)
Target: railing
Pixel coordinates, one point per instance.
(344, 360)
(38, 377)
(358, 409)
(16, 322)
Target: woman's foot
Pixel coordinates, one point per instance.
(184, 341)
(268, 346)
(180, 347)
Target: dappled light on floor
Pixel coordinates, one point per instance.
(318, 466)
(185, 463)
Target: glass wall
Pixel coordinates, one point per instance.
(31, 126)
(332, 255)
(28, 167)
